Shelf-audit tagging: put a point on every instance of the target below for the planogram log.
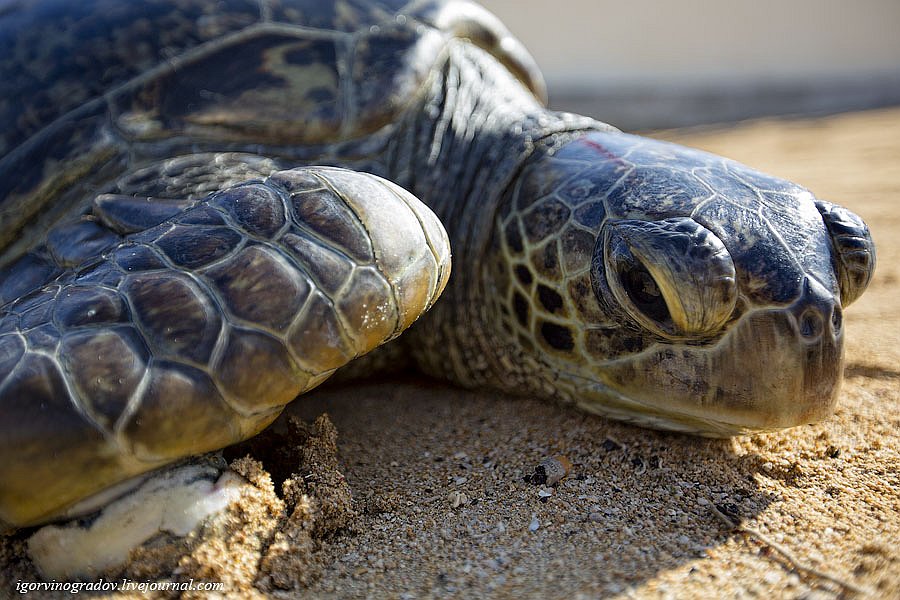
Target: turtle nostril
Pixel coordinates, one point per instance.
(837, 320)
(811, 323)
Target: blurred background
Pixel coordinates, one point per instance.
(655, 63)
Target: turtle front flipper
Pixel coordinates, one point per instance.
(193, 334)
(75, 242)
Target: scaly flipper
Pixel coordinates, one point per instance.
(221, 315)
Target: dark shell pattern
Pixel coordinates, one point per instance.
(261, 72)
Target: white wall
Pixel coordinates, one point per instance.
(589, 43)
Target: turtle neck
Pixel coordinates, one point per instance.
(473, 128)
(463, 146)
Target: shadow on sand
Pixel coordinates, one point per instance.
(636, 502)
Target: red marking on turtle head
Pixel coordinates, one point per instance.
(599, 148)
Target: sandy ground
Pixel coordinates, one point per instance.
(424, 491)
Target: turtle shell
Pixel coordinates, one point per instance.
(85, 83)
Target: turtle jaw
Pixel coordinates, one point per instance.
(773, 369)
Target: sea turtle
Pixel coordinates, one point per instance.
(206, 208)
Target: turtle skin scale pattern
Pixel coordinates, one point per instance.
(546, 234)
(243, 301)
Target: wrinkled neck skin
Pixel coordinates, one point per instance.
(459, 153)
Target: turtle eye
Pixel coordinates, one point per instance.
(854, 250)
(643, 292)
(672, 277)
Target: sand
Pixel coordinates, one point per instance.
(409, 489)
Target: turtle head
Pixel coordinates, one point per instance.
(673, 288)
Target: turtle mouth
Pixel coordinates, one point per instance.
(774, 368)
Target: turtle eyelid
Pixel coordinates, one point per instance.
(673, 276)
(854, 250)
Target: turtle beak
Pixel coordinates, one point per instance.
(816, 320)
(774, 368)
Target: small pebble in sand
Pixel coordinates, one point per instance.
(610, 445)
(458, 499)
(550, 471)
